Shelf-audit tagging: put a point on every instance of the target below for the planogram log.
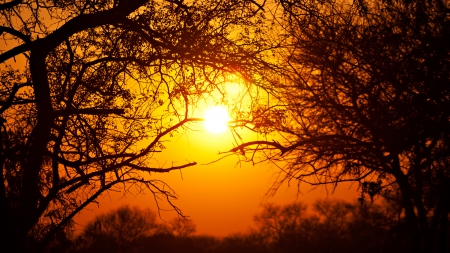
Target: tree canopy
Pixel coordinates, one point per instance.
(118, 230)
(90, 89)
(326, 226)
(364, 97)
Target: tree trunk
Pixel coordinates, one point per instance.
(417, 243)
(443, 226)
(26, 215)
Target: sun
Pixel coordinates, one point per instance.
(216, 119)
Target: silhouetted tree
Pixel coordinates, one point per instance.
(351, 227)
(90, 89)
(365, 97)
(180, 227)
(118, 230)
(242, 243)
(331, 226)
(59, 242)
(282, 228)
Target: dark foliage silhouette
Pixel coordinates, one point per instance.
(329, 226)
(180, 227)
(132, 229)
(332, 226)
(89, 90)
(365, 98)
(118, 231)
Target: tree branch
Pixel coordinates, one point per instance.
(161, 170)
(290, 148)
(77, 24)
(15, 33)
(9, 102)
(168, 130)
(10, 4)
(77, 210)
(90, 111)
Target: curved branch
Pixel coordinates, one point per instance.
(257, 143)
(90, 111)
(161, 170)
(168, 130)
(79, 181)
(76, 164)
(15, 33)
(75, 25)
(290, 148)
(10, 4)
(8, 103)
(15, 51)
(77, 210)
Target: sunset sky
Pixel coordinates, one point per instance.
(271, 126)
(221, 198)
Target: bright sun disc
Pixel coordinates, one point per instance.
(216, 119)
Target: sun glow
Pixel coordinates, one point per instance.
(216, 119)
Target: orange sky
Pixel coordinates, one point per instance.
(220, 198)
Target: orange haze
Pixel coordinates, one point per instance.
(220, 198)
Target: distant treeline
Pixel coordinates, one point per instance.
(326, 226)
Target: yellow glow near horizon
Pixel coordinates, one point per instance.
(216, 119)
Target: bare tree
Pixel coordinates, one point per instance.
(89, 90)
(365, 98)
